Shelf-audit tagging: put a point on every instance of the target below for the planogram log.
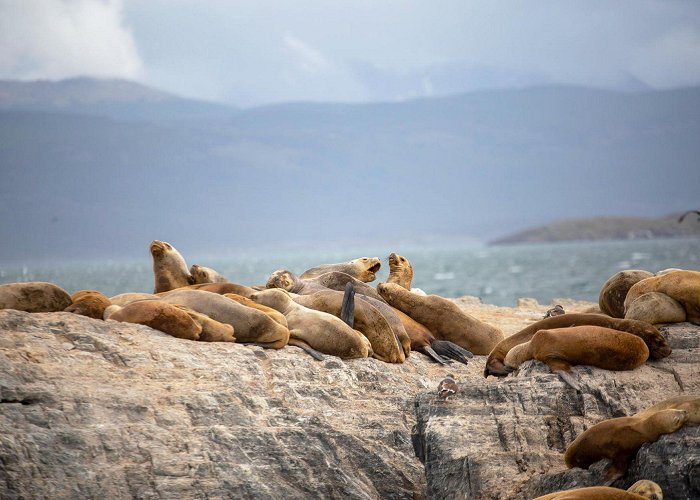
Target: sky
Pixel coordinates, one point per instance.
(258, 52)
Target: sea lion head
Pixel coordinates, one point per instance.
(370, 267)
(667, 421)
(658, 345)
(400, 270)
(282, 278)
(647, 489)
(202, 275)
(275, 298)
(169, 266)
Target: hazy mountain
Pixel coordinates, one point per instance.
(87, 176)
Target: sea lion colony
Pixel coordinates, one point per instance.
(331, 310)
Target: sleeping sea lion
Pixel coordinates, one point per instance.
(690, 404)
(641, 490)
(160, 316)
(34, 296)
(220, 288)
(655, 308)
(273, 313)
(657, 344)
(124, 298)
(683, 286)
(333, 280)
(212, 330)
(613, 292)
(202, 275)
(169, 267)
(364, 269)
(90, 303)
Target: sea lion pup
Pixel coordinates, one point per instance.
(581, 345)
(619, 439)
(124, 298)
(367, 319)
(400, 271)
(444, 319)
(683, 286)
(333, 280)
(613, 292)
(364, 269)
(641, 490)
(274, 314)
(34, 296)
(212, 330)
(321, 331)
(90, 303)
(161, 316)
(655, 308)
(250, 326)
(690, 404)
(657, 344)
(202, 275)
(169, 267)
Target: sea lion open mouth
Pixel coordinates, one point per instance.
(375, 268)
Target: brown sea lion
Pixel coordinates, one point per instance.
(683, 286)
(124, 298)
(619, 439)
(220, 288)
(90, 303)
(647, 489)
(333, 280)
(634, 492)
(690, 404)
(444, 319)
(169, 267)
(613, 292)
(655, 308)
(400, 271)
(202, 275)
(212, 330)
(364, 269)
(657, 344)
(321, 331)
(367, 319)
(34, 296)
(560, 348)
(249, 325)
(161, 316)
(273, 313)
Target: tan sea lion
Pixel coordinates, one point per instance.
(613, 292)
(657, 344)
(124, 298)
(161, 316)
(333, 280)
(364, 269)
(34, 296)
(321, 331)
(220, 288)
(683, 286)
(642, 492)
(367, 319)
(655, 308)
(400, 271)
(560, 348)
(273, 313)
(212, 330)
(90, 303)
(619, 439)
(169, 267)
(647, 489)
(111, 309)
(444, 319)
(249, 325)
(690, 404)
(202, 275)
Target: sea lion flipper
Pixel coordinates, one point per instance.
(347, 309)
(310, 350)
(428, 351)
(451, 350)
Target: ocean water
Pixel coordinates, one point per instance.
(497, 274)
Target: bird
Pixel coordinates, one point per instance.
(689, 212)
(447, 387)
(555, 311)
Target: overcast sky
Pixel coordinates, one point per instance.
(257, 52)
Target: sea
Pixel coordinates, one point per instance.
(498, 275)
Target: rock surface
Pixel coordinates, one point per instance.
(95, 409)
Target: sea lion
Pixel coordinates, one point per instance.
(220, 288)
(249, 325)
(690, 404)
(90, 303)
(647, 490)
(202, 275)
(364, 269)
(34, 296)
(400, 271)
(683, 286)
(654, 308)
(444, 319)
(619, 439)
(367, 319)
(333, 280)
(614, 290)
(169, 267)
(597, 346)
(321, 331)
(161, 316)
(111, 309)
(274, 314)
(657, 344)
(124, 298)
(212, 330)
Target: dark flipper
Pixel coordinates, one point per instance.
(428, 351)
(310, 350)
(347, 310)
(451, 350)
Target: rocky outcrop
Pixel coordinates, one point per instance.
(95, 409)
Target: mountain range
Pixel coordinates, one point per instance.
(99, 168)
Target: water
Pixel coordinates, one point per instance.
(498, 275)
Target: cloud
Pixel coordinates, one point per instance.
(63, 38)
